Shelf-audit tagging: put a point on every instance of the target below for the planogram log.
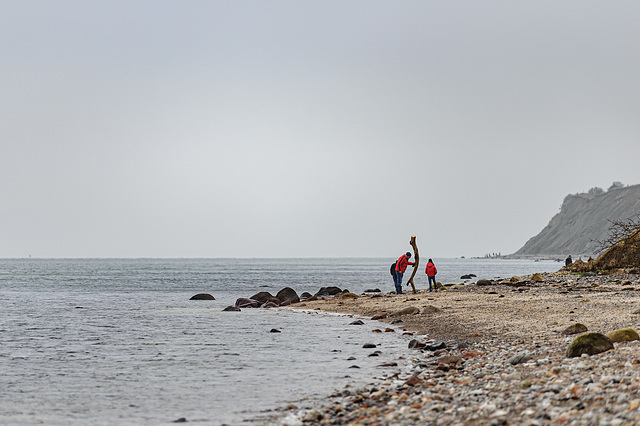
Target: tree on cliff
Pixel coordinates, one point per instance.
(621, 248)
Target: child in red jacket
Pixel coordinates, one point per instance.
(431, 272)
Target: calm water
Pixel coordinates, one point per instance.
(118, 342)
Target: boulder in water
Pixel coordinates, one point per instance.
(305, 296)
(243, 302)
(264, 297)
(287, 296)
(202, 296)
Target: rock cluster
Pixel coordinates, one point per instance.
(288, 296)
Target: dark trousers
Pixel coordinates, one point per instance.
(433, 279)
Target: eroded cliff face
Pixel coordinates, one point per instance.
(582, 222)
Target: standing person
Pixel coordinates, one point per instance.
(568, 261)
(431, 272)
(401, 266)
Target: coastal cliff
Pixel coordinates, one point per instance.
(583, 221)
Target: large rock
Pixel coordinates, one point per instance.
(243, 302)
(483, 282)
(231, 309)
(409, 310)
(590, 343)
(623, 335)
(287, 296)
(264, 297)
(202, 296)
(305, 296)
(328, 291)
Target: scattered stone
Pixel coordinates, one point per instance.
(328, 291)
(409, 310)
(414, 344)
(275, 330)
(537, 278)
(202, 296)
(450, 360)
(347, 295)
(470, 354)
(231, 309)
(181, 419)
(312, 416)
(369, 345)
(379, 316)
(435, 346)
(413, 381)
(574, 329)
(429, 309)
(375, 290)
(357, 322)
(484, 282)
(623, 335)
(520, 358)
(591, 344)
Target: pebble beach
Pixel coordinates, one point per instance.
(493, 353)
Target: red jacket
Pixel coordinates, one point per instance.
(431, 270)
(401, 264)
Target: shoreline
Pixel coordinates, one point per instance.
(503, 360)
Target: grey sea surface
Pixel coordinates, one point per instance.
(117, 341)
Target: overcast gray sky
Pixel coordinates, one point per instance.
(288, 128)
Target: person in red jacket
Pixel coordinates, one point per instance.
(401, 266)
(431, 272)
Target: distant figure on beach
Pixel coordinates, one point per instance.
(431, 272)
(568, 261)
(401, 266)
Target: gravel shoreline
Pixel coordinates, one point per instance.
(501, 357)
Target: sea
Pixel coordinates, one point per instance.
(117, 341)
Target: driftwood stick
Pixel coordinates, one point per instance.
(415, 262)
